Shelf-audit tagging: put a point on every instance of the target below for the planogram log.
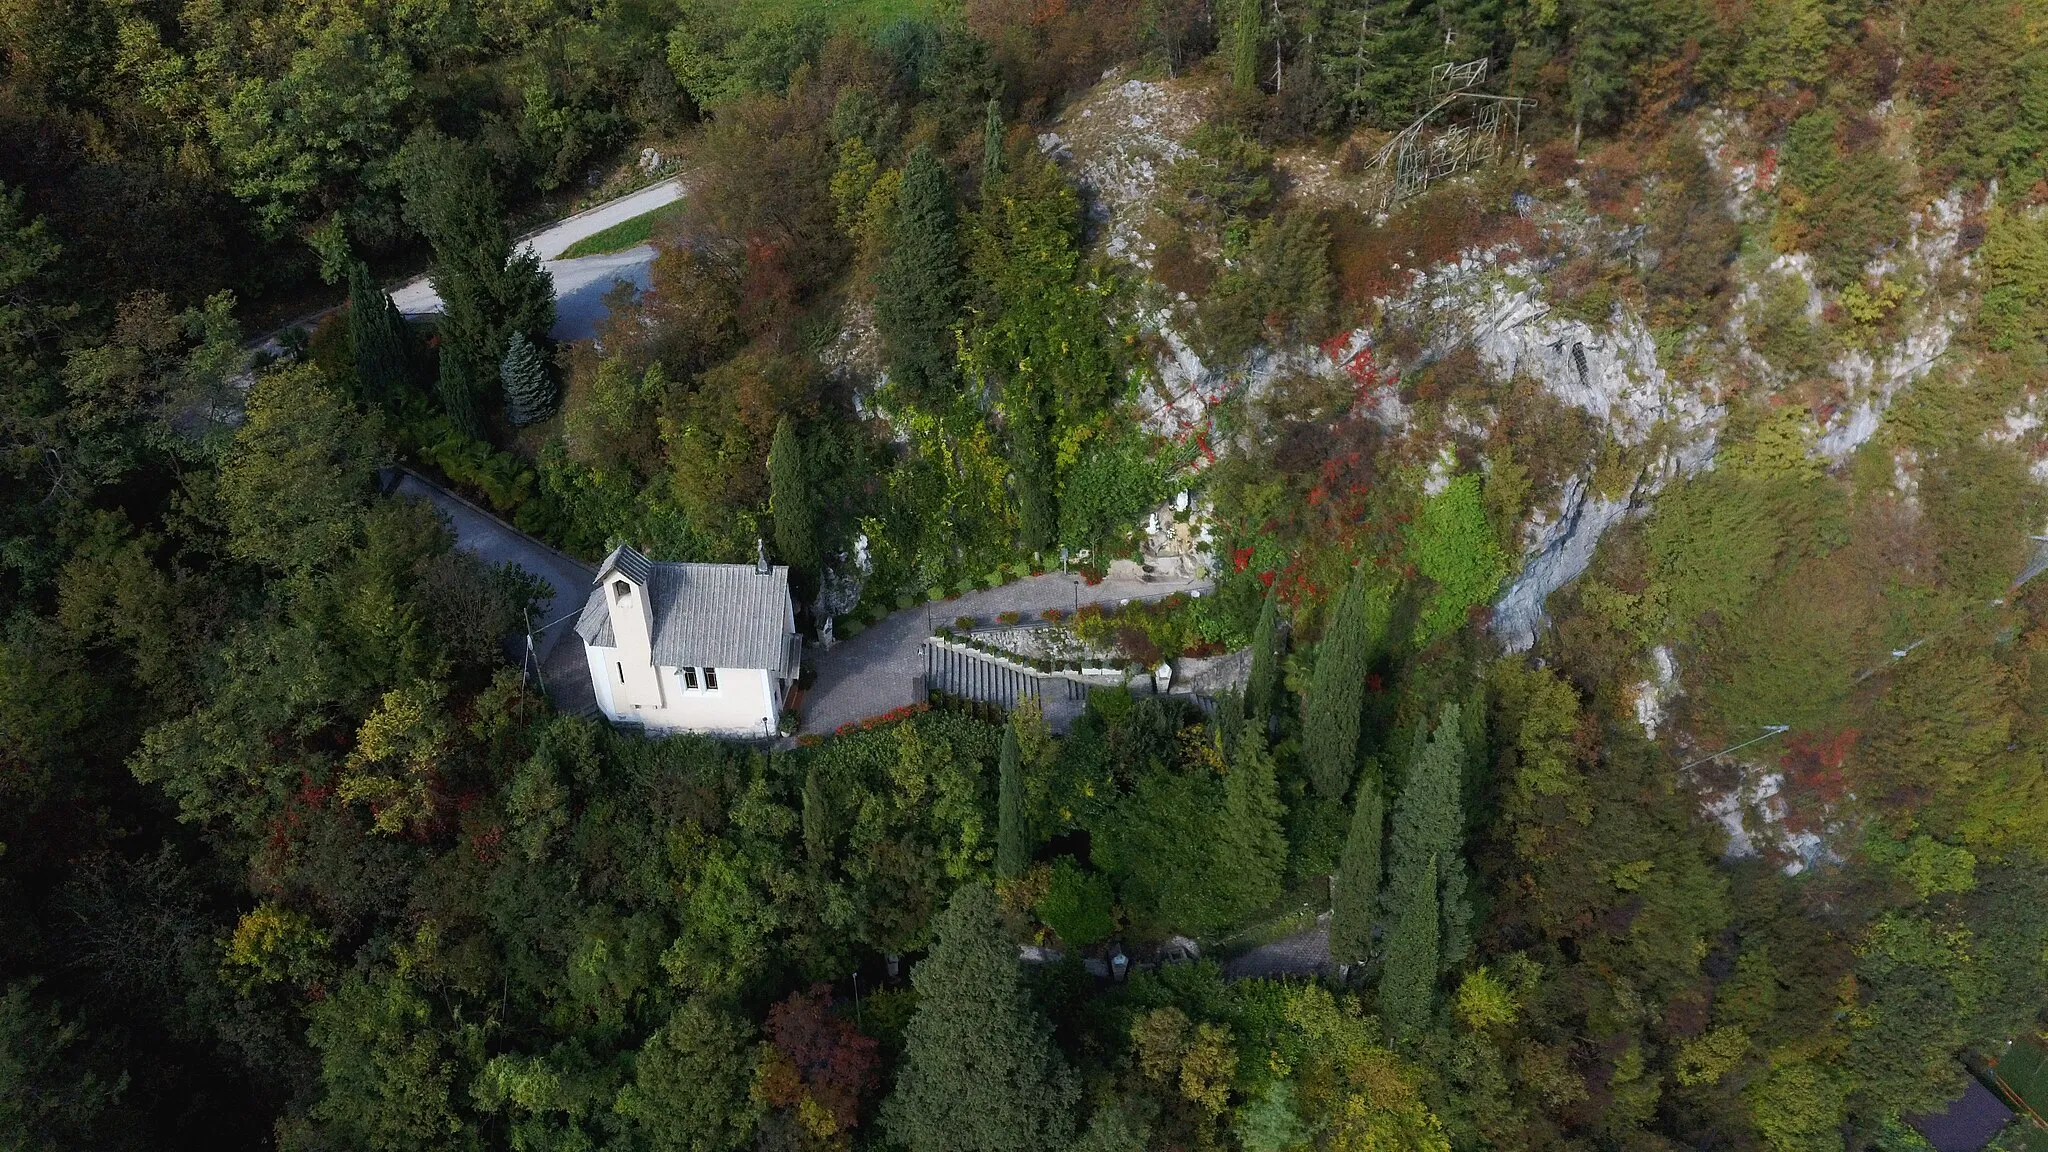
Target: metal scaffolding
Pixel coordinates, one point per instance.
(1430, 149)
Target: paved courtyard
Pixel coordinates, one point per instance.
(877, 670)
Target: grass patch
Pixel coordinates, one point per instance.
(621, 236)
(2024, 1072)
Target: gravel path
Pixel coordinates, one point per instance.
(875, 671)
(581, 284)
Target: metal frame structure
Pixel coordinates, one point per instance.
(1417, 158)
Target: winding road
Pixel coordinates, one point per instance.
(580, 284)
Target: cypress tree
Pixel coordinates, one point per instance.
(789, 500)
(1355, 901)
(817, 819)
(992, 144)
(1230, 721)
(1013, 852)
(455, 384)
(1428, 832)
(1408, 983)
(979, 1073)
(1251, 850)
(1244, 44)
(529, 392)
(1033, 466)
(918, 290)
(378, 339)
(1336, 702)
(1262, 686)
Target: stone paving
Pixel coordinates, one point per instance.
(876, 671)
(1304, 953)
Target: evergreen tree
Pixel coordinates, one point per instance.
(1262, 686)
(379, 340)
(1251, 850)
(789, 500)
(992, 144)
(918, 291)
(979, 1073)
(1408, 983)
(1355, 900)
(1428, 832)
(1013, 851)
(817, 819)
(1034, 468)
(488, 291)
(455, 385)
(1336, 702)
(1230, 721)
(529, 391)
(1246, 30)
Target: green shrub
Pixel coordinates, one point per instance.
(1453, 545)
(1077, 905)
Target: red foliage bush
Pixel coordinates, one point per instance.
(818, 1056)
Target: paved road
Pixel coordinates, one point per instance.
(580, 284)
(495, 542)
(874, 671)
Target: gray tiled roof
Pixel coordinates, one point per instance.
(628, 560)
(705, 615)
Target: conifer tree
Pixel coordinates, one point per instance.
(918, 291)
(1230, 721)
(488, 290)
(1408, 982)
(979, 1073)
(1262, 686)
(529, 391)
(1245, 33)
(1251, 850)
(817, 819)
(455, 385)
(789, 500)
(992, 144)
(378, 339)
(1355, 900)
(1336, 702)
(1428, 832)
(1013, 851)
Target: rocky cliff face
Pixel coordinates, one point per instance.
(1665, 413)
